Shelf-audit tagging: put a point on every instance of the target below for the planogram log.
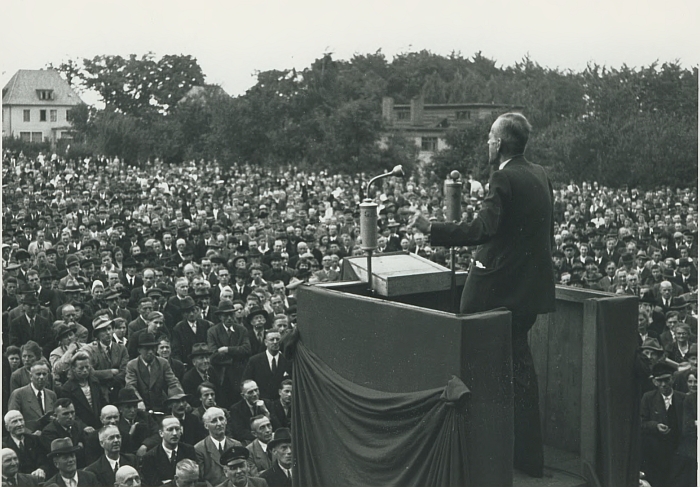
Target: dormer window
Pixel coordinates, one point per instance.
(45, 94)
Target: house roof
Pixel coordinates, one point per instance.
(22, 88)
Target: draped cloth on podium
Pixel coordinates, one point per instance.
(368, 437)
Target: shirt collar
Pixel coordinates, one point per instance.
(504, 163)
(74, 478)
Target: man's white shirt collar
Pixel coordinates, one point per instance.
(504, 163)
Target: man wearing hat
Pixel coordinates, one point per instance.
(151, 376)
(201, 370)
(30, 325)
(73, 275)
(192, 329)
(662, 423)
(63, 456)
(108, 358)
(234, 462)
(230, 346)
(130, 280)
(135, 424)
(257, 321)
(687, 275)
(65, 425)
(280, 474)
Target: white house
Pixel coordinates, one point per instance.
(35, 104)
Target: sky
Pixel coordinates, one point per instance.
(233, 40)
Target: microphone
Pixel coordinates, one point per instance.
(368, 212)
(453, 197)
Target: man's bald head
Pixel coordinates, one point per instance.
(109, 415)
(127, 476)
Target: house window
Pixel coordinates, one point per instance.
(25, 136)
(27, 116)
(464, 115)
(54, 115)
(428, 144)
(403, 114)
(37, 137)
(67, 113)
(42, 115)
(45, 94)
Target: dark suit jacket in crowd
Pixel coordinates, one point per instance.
(258, 369)
(275, 477)
(42, 333)
(103, 471)
(31, 457)
(156, 467)
(25, 401)
(183, 338)
(88, 414)
(23, 479)
(240, 420)
(285, 418)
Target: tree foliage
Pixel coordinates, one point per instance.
(618, 126)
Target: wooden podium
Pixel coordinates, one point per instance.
(403, 338)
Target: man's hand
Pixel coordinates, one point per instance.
(222, 349)
(114, 371)
(419, 222)
(88, 430)
(39, 474)
(141, 451)
(663, 429)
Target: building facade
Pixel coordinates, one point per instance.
(35, 106)
(427, 124)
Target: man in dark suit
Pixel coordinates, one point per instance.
(662, 423)
(63, 454)
(135, 425)
(145, 307)
(282, 407)
(251, 405)
(260, 456)
(512, 268)
(130, 280)
(65, 425)
(32, 326)
(34, 400)
(10, 470)
(158, 465)
(230, 346)
(192, 329)
(109, 462)
(280, 474)
(200, 372)
(30, 453)
(151, 376)
(270, 368)
(108, 358)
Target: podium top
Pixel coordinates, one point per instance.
(399, 273)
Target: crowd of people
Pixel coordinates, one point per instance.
(145, 309)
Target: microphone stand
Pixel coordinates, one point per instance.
(368, 223)
(453, 199)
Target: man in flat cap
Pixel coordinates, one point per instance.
(234, 461)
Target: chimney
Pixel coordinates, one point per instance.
(417, 110)
(388, 110)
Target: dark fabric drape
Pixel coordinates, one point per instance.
(618, 396)
(345, 434)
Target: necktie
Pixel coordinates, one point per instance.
(260, 337)
(221, 448)
(173, 458)
(41, 401)
(116, 467)
(31, 323)
(274, 365)
(21, 444)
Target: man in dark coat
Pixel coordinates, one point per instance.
(269, 368)
(235, 464)
(251, 405)
(65, 425)
(280, 474)
(135, 425)
(30, 453)
(81, 376)
(189, 331)
(63, 455)
(512, 266)
(230, 346)
(111, 459)
(662, 423)
(10, 470)
(30, 325)
(158, 465)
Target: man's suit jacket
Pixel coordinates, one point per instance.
(138, 282)
(88, 414)
(156, 466)
(183, 338)
(259, 457)
(25, 401)
(275, 477)
(258, 369)
(53, 431)
(285, 418)
(145, 427)
(240, 420)
(653, 411)
(50, 299)
(85, 479)
(230, 364)
(514, 231)
(208, 459)
(102, 363)
(103, 471)
(31, 457)
(192, 379)
(42, 333)
(23, 479)
(252, 482)
(136, 325)
(154, 387)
